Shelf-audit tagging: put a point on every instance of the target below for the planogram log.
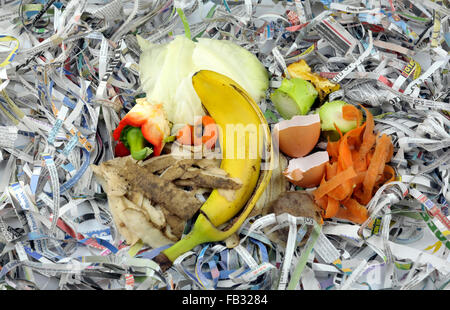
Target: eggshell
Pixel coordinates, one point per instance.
(299, 135)
(307, 171)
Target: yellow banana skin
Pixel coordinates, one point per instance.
(229, 104)
(232, 112)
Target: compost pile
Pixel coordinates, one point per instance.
(69, 72)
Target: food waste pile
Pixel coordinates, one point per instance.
(116, 174)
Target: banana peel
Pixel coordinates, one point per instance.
(229, 105)
(278, 185)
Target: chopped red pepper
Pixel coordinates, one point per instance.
(152, 121)
(208, 133)
(185, 135)
(204, 132)
(121, 150)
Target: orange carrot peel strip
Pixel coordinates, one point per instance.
(345, 161)
(376, 167)
(355, 212)
(368, 136)
(333, 149)
(334, 182)
(332, 208)
(350, 112)
(357, 167)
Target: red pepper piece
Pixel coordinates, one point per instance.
(152, 121)
(206, 128)
(185, 135)
(120, 150)
(204, 132)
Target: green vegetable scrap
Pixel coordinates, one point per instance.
(294, 97)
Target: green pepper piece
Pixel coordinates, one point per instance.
(134, 140)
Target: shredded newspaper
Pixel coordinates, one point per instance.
(69, 73)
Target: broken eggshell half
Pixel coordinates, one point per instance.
(307, 171)
(299, 135)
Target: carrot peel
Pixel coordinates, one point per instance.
(376, 167)
(332, 208)
(357, 168)
(334, 182)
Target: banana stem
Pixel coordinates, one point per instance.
(189, 242)
(199, 234)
